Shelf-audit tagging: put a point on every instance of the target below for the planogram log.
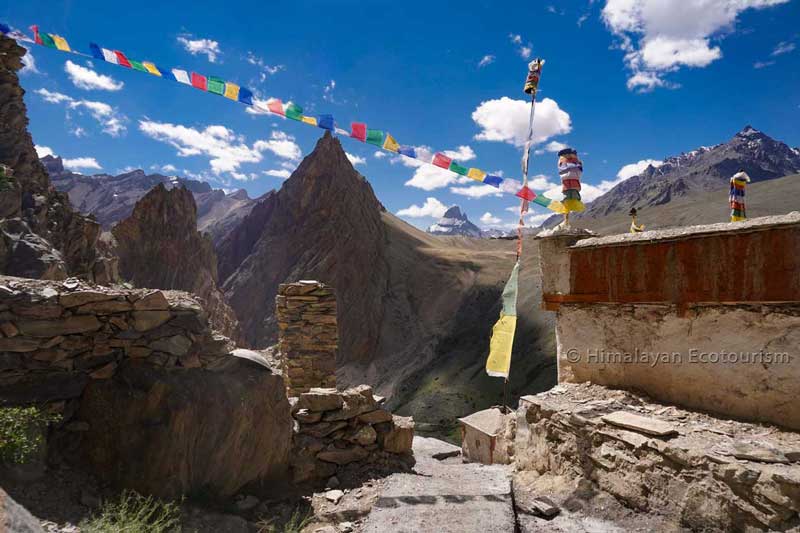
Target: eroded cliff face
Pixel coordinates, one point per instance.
(41, 236)
(159, 247)
(324, 224)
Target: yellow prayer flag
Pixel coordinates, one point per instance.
(476, 174)
(390, 144)
(61, 43)
(557, 206)
(151, 68)
(231, 90)
(498, 364)
(309, 120)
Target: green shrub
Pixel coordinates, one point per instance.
(295, 524)
(134, 513)
(22, 431)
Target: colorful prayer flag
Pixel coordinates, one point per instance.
(36, 38)
(308, 120)
(151, 68)
(245, 96)
(231, 91)
(407, 151)
(294, 112)
(494, 181)
(61, 43)
(458, 169)
(216, 85)
(542, 200)
(441, 160)
(358, 130)
(96, 52)
(476, 174)
(121, 59)
(375, 137)
(136, 65)
(47, 40)
(167, 74)
(276, 106)
(390, 144)
(181, 76)
(325, 122)
(526, 194)
(109, 56)
(199, 81)
(498, 364)
(340, 131)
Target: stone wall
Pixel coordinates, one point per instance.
(150, 397)
(308, 335)
(706, 317)
(337, 430)
(697, 471)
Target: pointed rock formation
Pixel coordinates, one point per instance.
(41, 235)
(159, 247)
(324, 224)
(454, 222)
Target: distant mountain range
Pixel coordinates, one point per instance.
(112, 198)
(454, 222)
(704, 169)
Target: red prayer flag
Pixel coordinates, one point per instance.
(121, 59)
(526, 194)
(199, 81)
(276, 106)
(441, 160)
(36, 37)
(358, 130)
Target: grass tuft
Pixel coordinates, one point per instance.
(134, 513)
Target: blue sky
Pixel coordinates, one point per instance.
(626, 81)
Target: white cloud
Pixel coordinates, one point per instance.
(431, 208)
(661, 36)
(506, 120)
(763, 64)
(634, 169)
(28, 62)
(42, 151)
(264, 69)
(476, 191)
(86, 78)
(486, 60)
(82, 163)
(355, 160)
(227, 150)
(488, 218)
(460, 154)
(275, 173)
(327, 91)
(552, 146)
(428, 178)
(206, 47)
(110, 119)
(523, 49)
(78, 132)
(783, 48)
(378, 154)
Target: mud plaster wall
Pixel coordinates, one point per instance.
(662, 314)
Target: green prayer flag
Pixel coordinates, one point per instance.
(47, 40)
(136, 65)
(294, 112)
(458, 169)
(216, 85)
(375, 137)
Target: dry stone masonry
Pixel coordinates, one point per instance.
(337, 429)
(56, 336)
(308, 335)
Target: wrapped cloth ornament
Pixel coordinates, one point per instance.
(534, 73)
(570, 169)
(736, 198)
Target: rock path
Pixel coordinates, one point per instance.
(444, 496)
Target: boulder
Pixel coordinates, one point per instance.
(320, 400)
(171, 432)
(356, 401)
(14, 518)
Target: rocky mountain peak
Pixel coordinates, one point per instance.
(240, 194)
(455, 222)
(53, 164)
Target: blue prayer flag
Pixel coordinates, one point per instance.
(245, 96)
(407, 151)
(166, 73)
(494, 181)
(325, 122)
(96, 52)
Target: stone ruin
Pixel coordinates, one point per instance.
(308, 335)
(346, 429)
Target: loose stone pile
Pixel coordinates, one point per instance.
(56, 336)
(338, 428)
(308, 336)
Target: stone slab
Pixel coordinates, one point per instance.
(642, 424)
